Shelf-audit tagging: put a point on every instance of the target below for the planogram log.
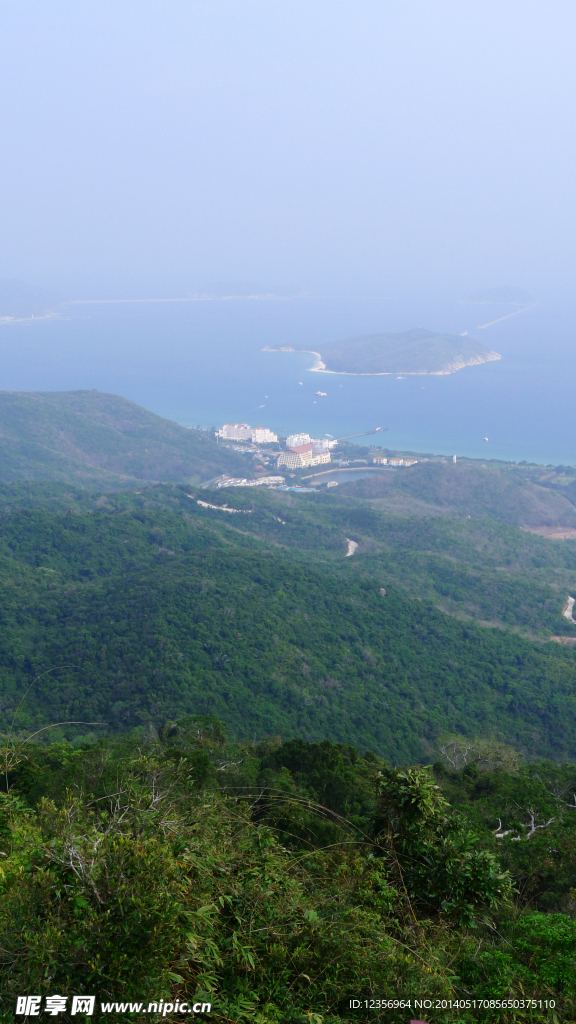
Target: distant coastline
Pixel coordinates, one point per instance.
(51, 315)
(457, 364)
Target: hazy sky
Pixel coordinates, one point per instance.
(153, 147)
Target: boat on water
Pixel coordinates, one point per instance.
(321, 394)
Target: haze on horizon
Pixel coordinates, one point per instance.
(150, 149)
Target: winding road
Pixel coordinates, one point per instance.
(567, 610)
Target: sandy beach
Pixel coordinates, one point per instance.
(458, 364)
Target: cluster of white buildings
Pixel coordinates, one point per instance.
(261, 481)
(379, 460)
(243, 432)
(295, 440)
(303, 450)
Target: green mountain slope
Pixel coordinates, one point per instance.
(92, 437)
(502, 493)
(147, 607)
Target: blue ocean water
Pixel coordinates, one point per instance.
(201, 363)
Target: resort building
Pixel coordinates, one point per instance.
(379, 460)
(301, 456)
(296, 457)
(267, 481)
(403, 462)
(262, 481)
(243, 432)
(235, 432)
(261, 435)
(291, 460)
(297, 440)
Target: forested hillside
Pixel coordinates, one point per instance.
(503, 492)
(92, 438)
(134, 608)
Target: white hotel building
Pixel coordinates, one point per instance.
(303, 455)
(243, 432)
(322, 444)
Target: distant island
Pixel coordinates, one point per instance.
(418, 351)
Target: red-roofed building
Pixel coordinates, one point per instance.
(302, 449)
(302, 455)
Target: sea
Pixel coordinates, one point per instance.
(201, 362)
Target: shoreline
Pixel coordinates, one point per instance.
(269, 297)
(320, 366)
(52, 315)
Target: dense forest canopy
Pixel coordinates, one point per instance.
(506, 494)
(130, 608)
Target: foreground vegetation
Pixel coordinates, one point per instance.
(278, 880)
